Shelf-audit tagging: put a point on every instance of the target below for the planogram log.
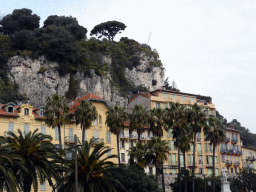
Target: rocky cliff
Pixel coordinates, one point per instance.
(38, 79)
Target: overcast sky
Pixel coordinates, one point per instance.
(208, 47)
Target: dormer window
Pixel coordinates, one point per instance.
(10, 109)
(26, 111)
(41, 113)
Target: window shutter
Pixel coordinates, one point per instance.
(56, 133)
(26, 128)
(96, 134)
(11, 127)
(43, 129)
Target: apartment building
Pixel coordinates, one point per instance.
(203, 159)
(27, 118)
(231, 150)
(249, 158)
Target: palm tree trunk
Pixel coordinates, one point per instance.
(179, 181)
(213, 173)
(139, 138)
(83, 135)
(194, 154)
(163, 184)
(156, 176)
(185, 175)
(118, 149)
(27, 184)
(59, 130)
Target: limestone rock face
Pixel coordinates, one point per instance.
(37, 86)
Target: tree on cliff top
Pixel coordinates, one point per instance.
(108, 29)
(69, 23)
(19, 19)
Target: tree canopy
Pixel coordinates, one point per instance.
(19, 19)
(108, 29)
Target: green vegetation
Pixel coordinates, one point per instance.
(63, 40)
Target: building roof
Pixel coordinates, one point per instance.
(5, 113)
(88, 97)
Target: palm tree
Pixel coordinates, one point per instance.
(56, 112)
(93, 167)
(8, 161)
(178, 115)
(138, 153)
(215, 133)
(85, 114)
(197, 120)
(139, 119)
(116, 117)
(157, 124)
(39, 156)
(158, 150)
(185, 142)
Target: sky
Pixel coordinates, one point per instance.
(207, 47)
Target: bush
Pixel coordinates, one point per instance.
(41, 70)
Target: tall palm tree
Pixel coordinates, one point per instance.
(157, 125)
(93, 167)
(56, 112)
(185, 143)
(179, 116)
(139, 119)
(138, 153)
(39, 156)
(116, 116)
(85, 114)
(215, 133)
(197, 120)
(158, 150)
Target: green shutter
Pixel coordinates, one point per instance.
(181, 160)
(170, 159)
(210, 157)
(209, 171)
(215, 159)
(199, 149)
(173, 159)
(217, 172)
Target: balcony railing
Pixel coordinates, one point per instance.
(190, 163)
(124, 135)
(228, 163)
(209, 164)
(70, 139)
(249, 158)
(133, 136)
(174, 163)
(145, 137)
(236, 163)
(234, 140)
(208, 150)
(97, 140)
(227, 139)
(199, 151)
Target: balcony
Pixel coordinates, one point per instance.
(228, 163)
(234, 140)
(124, 135)
(145, 137)
(133, 136)
(227, 139)
(249, 158)
(236, 163)
(237, 152)
(174, 163)
(70, 139)
(200, 163)
(97, 141)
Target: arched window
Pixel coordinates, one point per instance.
(95, 122)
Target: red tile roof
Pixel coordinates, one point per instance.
(86, 97)
(3, 112)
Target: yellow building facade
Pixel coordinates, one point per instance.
(249, 158)
(203, 159)
(26, 118)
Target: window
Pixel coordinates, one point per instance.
(41, 112)
(158, 105)
(109, 152)
(108, 137)
(199, 149)
(26, 128)
(43, 186)
(200, 160)
(192, 99)
(56, 133)
(122, 143)
(122, 157)
(209, 171)
(26, 111)
(183, 98)
(131, 143)
(217, 172)
(231, 170)
(150, 171)
(166, 105)
(164, 95)
(43, 129)
(10, 109)
(95, 122)
(201, 171)
(173, 96)
(96, 134)
(215, 160)
(222, 158)
(70, 135)
(68, 153)
(100, 119)
(11, 127)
